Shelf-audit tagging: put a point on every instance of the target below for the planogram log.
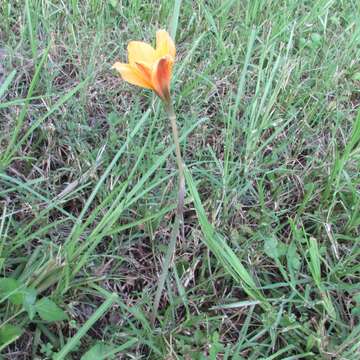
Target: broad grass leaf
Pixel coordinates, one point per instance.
(29, 300)
(8, 334)
(270, 247)
(11, 288)
(49, 311)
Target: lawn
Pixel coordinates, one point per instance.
(267, 98)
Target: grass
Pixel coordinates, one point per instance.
(267, 99)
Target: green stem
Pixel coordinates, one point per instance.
(179, 220)
(180, 208)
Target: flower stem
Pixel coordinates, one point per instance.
(181, 195)
(179, 219)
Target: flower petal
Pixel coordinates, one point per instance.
(132, 76)
(164, 44)
(161, 76)
(144, 69)
(139, 51)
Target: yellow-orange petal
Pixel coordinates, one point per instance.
(161, 76)
(164, 44)
(131, 76)
(144, 70)
(139, 51)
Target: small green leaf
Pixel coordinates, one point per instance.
(356, 76)
(293, 258)
(114, 3)
(316, 39)
(49, 311)
(315, 262)
(303, 41)
(10, 288)
(270, 247)
(29, 296)
(29, 302)
(99, 351)
(282, 248)
(328, 305)
(216, 346)
(8, 334)
(311, 342)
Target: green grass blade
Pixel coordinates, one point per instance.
(31, 27)
(74, 341)
(175, 18)
(4, 86)
(20, 120)
(221, 250)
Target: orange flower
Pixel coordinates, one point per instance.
(148, 67)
